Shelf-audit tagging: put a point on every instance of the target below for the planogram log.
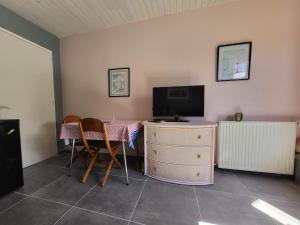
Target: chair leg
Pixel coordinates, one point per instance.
(115, 159)
(105, 178)
(72, 154)
(89, 169)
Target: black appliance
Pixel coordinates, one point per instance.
(11, 171)
(178, 101)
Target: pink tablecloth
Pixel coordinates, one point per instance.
(119, 130)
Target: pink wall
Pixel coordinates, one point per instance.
(181, 50)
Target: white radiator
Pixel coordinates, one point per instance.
(257, 146)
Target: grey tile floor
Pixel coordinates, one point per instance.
(50, 197)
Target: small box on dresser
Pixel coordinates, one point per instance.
(181, 153)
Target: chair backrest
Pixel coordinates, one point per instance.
(72, 119)
(94, 125)
(91, 124)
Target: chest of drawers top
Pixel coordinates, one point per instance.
(181, 124)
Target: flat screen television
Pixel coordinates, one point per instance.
(178, 101)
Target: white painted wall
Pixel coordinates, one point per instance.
(27, 93)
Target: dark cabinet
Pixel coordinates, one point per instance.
(11, 171)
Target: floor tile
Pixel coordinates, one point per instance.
(116, 198)
(167, 204)
(289, 208)
(133, 170)
(9, 200)
(227, 182)
(67, 189)
(270, 187)
(33, 212)
(224, 208)
(37, 176)
(61, 160)
(294, 183)
(82, 217)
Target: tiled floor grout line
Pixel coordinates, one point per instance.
(45, 199)
(73, 206)
(100, 213)
(238, 179)
(252, 196)
(145, 182)
(92, 188)
(277, 200)
(137, 222)
(128, 177)
(10, 207)
(268, 198)
(294, 185)
(225, 192)
(63, 215)
(27, 195)
(47, 185)
(194, 189)
(104, 214)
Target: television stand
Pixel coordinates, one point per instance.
(175, 119)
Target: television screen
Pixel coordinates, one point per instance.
(178, 101)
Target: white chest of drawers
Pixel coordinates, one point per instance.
(181, 153)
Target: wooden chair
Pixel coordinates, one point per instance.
(74, 119)
(93, 147)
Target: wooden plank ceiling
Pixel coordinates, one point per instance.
(68, 17)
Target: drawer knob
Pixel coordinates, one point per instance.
(198, 174)
(155, 152)
(198, 156)
(154, 168)
(154, 134)
(199, 136)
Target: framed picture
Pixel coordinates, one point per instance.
(233, 62)
(119, 82)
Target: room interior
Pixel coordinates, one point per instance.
(147, 112)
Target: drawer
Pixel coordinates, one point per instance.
(180, 154)
(180, 136)
(179, 173)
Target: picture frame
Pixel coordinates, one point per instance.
(234, 61)
(119, 82)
